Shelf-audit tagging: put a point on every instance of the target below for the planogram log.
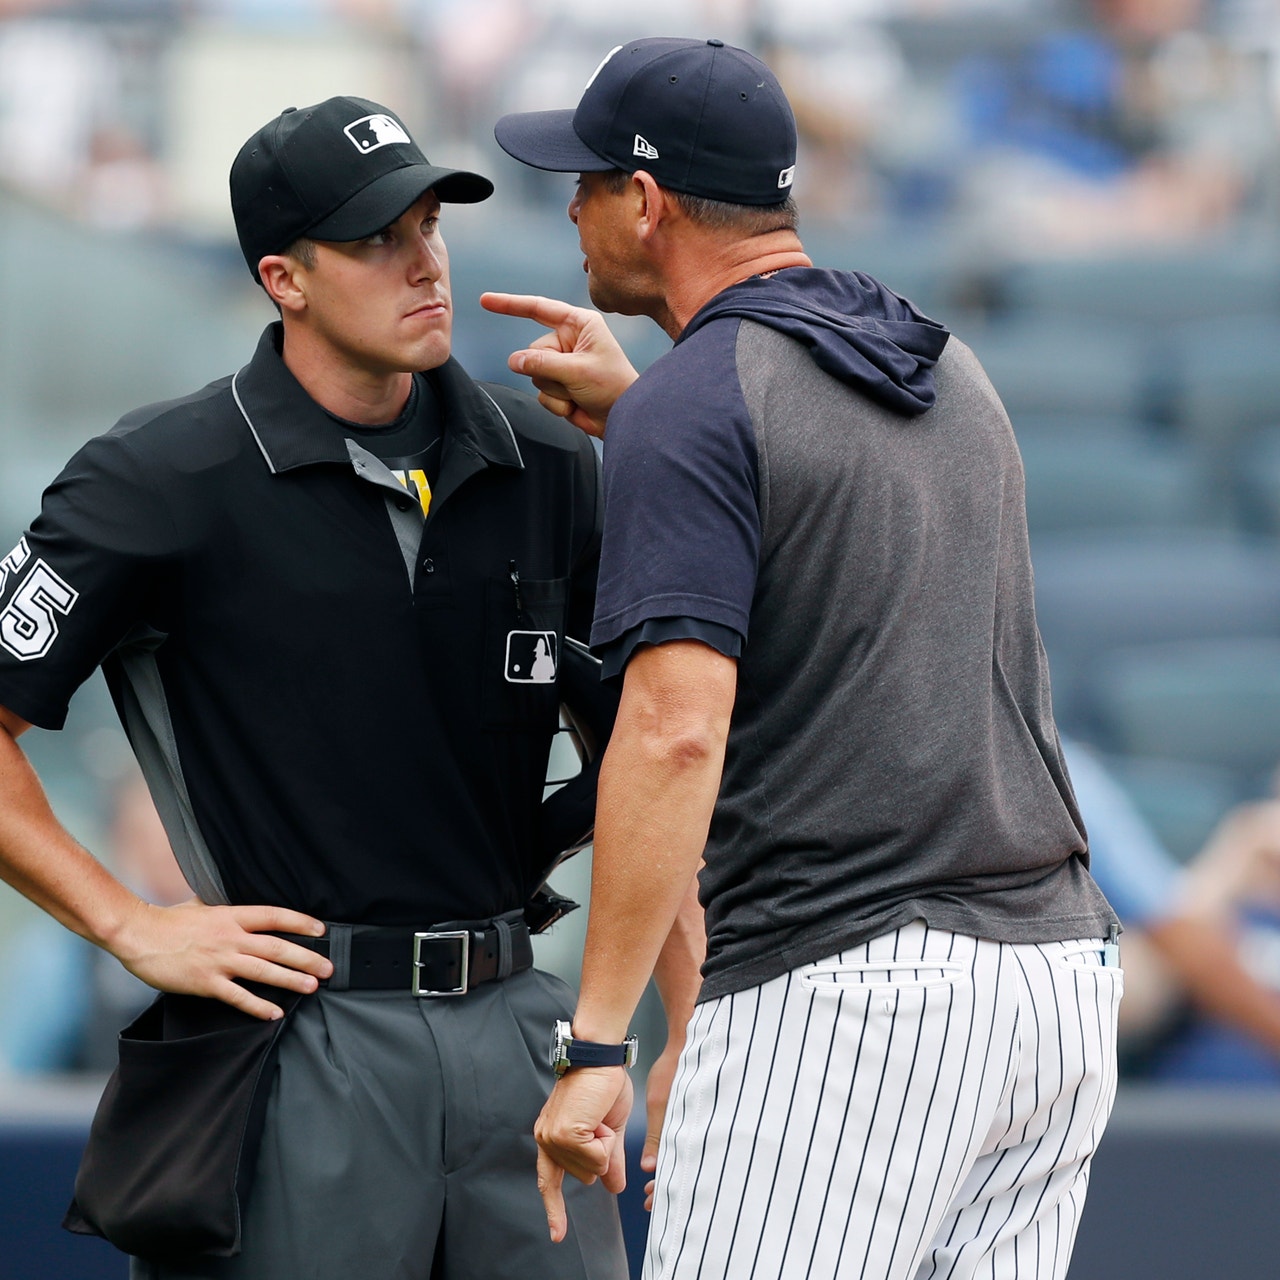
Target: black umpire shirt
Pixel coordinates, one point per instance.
(340, 707)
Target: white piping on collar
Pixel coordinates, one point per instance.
(244, 413)
(271, 466)
(505, 422)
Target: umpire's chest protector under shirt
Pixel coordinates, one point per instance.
(331, 717)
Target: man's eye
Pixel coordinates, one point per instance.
(378, 239)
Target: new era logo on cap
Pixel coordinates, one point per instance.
(786, 177)
(644, 148)
(371, 132)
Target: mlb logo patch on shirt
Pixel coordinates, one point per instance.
(532, 657)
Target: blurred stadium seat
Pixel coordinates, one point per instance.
(1148, 288)
(1182, 801)
(1063, 364)
(1108, 473)
(1256, 480)
(1098, 592)
(1207, 701)
(1223, 376)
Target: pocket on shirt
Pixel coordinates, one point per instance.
(524, 633)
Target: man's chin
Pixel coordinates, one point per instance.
(432, 354)
(610, 300)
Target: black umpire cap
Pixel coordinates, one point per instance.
(340, 170)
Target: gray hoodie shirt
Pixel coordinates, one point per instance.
(822, 474)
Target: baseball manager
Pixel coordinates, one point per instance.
(815, 583)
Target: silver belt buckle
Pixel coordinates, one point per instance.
(463, 938)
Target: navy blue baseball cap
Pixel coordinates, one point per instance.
(702, 117)
(340, 170)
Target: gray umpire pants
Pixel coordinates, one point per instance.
(399, 1146)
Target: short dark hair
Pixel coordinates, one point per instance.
(304, 249)
(720, 215)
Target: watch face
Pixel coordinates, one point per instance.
(560, 1037)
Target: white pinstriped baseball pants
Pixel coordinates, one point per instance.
(921, 1107)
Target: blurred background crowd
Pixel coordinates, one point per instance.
(1085, 191)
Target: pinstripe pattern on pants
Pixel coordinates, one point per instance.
(922, 1106)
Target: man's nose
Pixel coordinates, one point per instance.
(427, 262)
(575, 203)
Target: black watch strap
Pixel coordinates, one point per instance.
(587, 1053)
(567, 1051)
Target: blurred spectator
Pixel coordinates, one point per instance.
(66, 90)
(844, 76)
(56, 79)
(122, 188)
(1137, 125)
(1089, 122)
(1201, 947)
(64, 1001)
(470, 46)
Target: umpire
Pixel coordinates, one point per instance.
(330, 595)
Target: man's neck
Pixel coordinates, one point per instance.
(355, 394)
(698, 271)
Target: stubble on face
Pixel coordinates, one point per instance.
(608, 247)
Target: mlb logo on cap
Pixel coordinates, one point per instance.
(371, 132)
(339, 170)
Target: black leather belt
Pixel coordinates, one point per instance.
(444, 960)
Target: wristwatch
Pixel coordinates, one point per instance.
(566, 1051)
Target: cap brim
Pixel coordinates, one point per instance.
(380, 203)
(547, 140)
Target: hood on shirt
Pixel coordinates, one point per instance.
(856, 329)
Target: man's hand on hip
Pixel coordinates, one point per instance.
(200, 950)
(578, 368)
(582, 1130)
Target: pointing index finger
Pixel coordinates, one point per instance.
(548, 311)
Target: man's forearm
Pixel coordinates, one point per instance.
(1204, 957)
(192, 948)
(678, 971)
(658, 786)
(42, 861)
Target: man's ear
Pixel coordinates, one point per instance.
(652, 205)
(280, 275)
